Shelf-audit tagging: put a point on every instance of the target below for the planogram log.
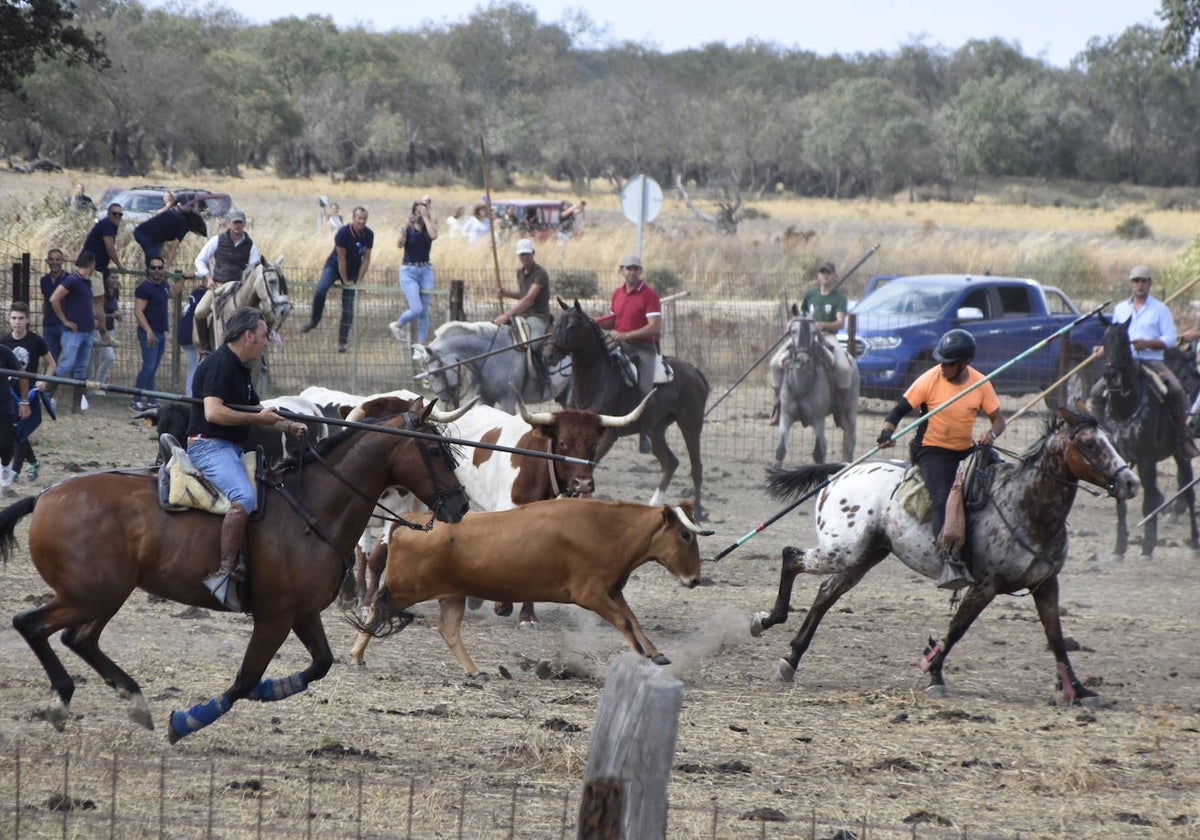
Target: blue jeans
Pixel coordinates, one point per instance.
(221, 463)
(76, 354)
(149, 248)
(328, 277)
(151, 356)
(416, 281)
(193, 361)
(53, 334)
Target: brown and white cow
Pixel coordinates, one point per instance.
(566, 551)
(501, 480)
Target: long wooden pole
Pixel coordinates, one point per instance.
(487, 194)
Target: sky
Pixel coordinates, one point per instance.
(1053, 30)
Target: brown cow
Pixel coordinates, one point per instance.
(501, 480)
(566, 551)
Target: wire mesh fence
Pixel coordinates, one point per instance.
(728, 335)
(79, 794)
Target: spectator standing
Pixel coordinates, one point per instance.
(333, 217)
(454, 222)
(349, 261)
(416, 270)
(165, 230)
(81, 200)
(570, 219)
(185, 333)
(478, 226)
(79, 306)
(32, 355)
(9, 419)
(152, 298)
(52, 328)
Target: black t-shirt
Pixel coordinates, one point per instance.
(28, 350)
(9, 361)
(164, 227)
(226, 376)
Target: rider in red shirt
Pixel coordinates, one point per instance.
(636, 320)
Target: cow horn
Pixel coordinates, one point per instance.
(146, 413)
(612, 421)
(541, 418)
(687, 522)
(440, 416)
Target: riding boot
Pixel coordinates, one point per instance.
(204, 336)
(1179, 409)
(955, 574)
(226, 584)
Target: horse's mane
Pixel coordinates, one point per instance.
(293, 463)
(1051, 424)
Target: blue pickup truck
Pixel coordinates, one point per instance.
(898, 323)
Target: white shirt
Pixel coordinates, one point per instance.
(210, 249)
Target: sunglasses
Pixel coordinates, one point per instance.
(156, 268)
(631, 268)
(115, 213)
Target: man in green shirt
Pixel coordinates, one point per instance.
(827, 308)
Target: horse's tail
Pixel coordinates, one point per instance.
(384, 618)
(783, 484)
(9, 517)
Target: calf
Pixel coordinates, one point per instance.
(566, 551)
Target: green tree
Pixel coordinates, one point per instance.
(33, 29)
(1180, 39)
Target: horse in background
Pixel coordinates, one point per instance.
(599, 386)
(1143, 432)
(498, 379)
(1017, 541)
(263, 287)
(815, 380)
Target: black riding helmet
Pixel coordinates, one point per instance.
(955, 346)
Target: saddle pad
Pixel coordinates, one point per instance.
(182, 487)
(914, 497)
(1156, 382)
(662, 371)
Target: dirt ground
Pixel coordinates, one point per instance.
(853, 738)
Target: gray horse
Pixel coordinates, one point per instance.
(499, 379)
(815, 378)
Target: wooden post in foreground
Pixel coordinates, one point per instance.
(630, 757)
(458, 296)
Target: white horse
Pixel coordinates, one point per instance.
(1017, 540)
(262, 286)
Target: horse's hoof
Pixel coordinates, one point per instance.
(474, 603)
(661, 659)
(1145, 556)
(785, 671)
(482, 676)
(756, 624)
(1117, 558)
(1090, 701)
(528, 625)
(140, 714)
(358, 663)
(937, 692)
(502, 608)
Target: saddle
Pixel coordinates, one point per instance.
(624, 364)
(836, 360)
(976, 473)
(1157, 386)
(183, 487)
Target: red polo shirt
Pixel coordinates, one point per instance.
(633, 310)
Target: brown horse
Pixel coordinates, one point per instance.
(120, 539)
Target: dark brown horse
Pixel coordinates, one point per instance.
(597, 385)
(119, 539)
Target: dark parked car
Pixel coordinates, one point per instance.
(140, 203)
(898, 324)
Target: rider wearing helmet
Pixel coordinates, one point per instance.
(944, 439)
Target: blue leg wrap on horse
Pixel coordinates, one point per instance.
(199, 716)
(269, 690)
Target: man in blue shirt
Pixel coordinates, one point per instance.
(151, 310)
(167, 229)
(79, 304)
(1151, 332)
(348, 263)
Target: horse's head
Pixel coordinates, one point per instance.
(273, 294)
(444, 378)
(574, 332)
(1119, 367)
(802, 339)
(1090, 456)
(431, 478)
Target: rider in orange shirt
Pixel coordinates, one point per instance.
(944, 440)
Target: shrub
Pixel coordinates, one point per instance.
(575, 283)
(663, 280)
(1133, 227)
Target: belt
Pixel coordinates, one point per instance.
(418, 265)
(193, 438)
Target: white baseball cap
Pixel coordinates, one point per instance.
(524, 246)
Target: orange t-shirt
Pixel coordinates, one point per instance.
(951, 428)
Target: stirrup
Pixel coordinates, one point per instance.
(229, 587)
(955, 575)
